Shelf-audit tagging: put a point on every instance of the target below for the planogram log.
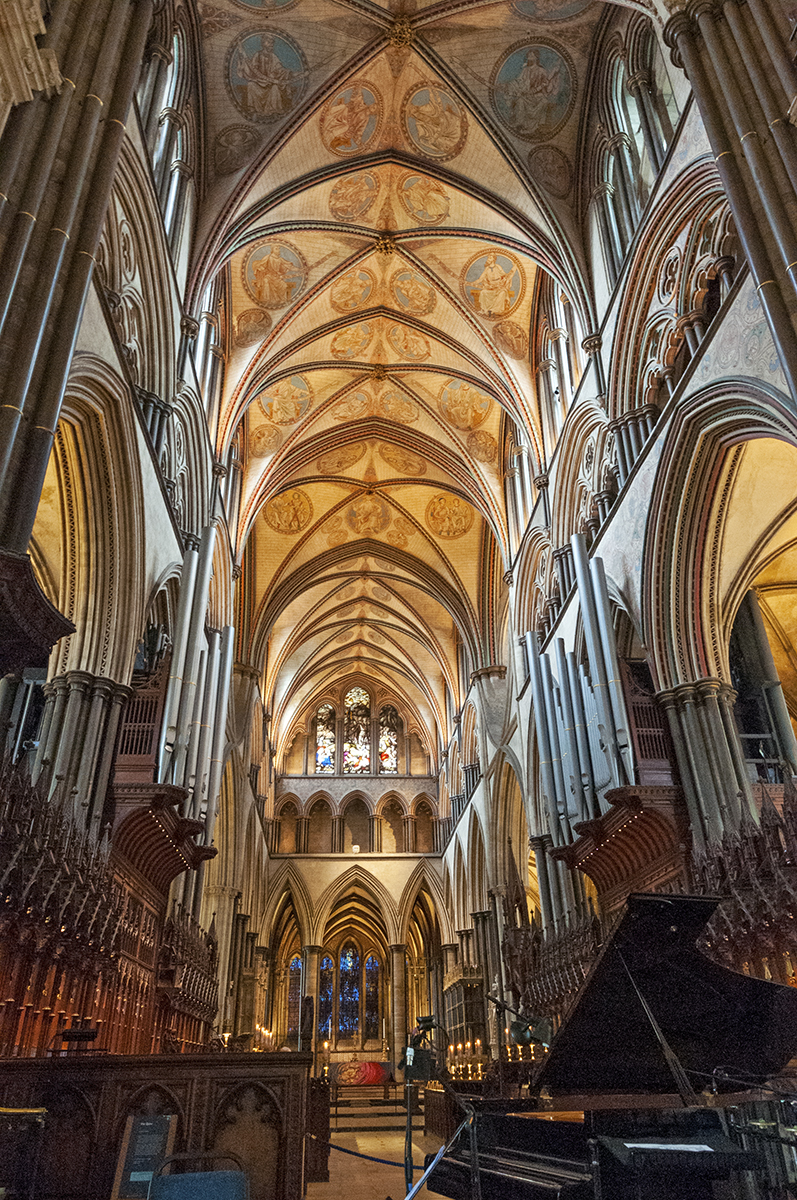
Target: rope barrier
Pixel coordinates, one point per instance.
(386, 1162)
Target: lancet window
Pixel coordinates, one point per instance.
(326, 983)
(325, 740)
(388, 739)
(294, 997)
(349, 996)
(357, 732)
(349, 993)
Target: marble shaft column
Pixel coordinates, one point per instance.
(757, 239)
(398, 998)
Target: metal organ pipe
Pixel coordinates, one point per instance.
(609, 650)
(593, 637)
(578, 774)
(184, 605)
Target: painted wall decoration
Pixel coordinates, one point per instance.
(393, 406)
(462, 405)
(404, 461)
(267, 6)
(550, 10)
(434, 122)
(493, 283)
(510, 338)
(352, 341)
(352, 196)
(289, 513)
(353, 290)
(336, 534)
(266, 74)
(286, 402)
(550, 167)
(425, 199)
(274, 273)
(339, 460)
(533, 89)
(352, 118)
(408, 343)
(399, 535)
(264, 441)
(482, 446)
(368, 516)
(448, 516)
(234, 148)
(252, 326)
(412, 292)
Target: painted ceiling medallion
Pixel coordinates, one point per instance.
(434, 122)
(493, 283)
(482, 446)
(352, 196)
(549, 10)
(367, 516)
(286, 402)
(353, 290)
(341, 459)
(412, 292)
(289, 513)
(392, 406)
(408, 343)
(425, 199)
(351, 119)
(266, 74)
(462, 405)
(551, 168)
(448, 516)
(274, 273)
(352, 341)
(404, 461)
(252, 326)
(264, 441)
(267, 6)
(533, 89)
(510, 338)
(234, 148)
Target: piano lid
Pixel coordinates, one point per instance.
(710, 1016)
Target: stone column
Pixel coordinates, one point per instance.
(311, 957)
(398, 999)
(338, 834)
(375, 833)
(409, 834)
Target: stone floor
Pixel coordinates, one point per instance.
(358, 1179)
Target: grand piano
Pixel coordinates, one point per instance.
(656, 1087)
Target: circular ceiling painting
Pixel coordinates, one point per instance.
(352, 196)
(493, 283)
(353, 290)
(274, 273)
(351, 119)
(425, 199)
(286, 402)
(448, 516)
(412, 292)
(463, 405)
(533, 89)
(434, 122)
(266, 74)
(289, 513)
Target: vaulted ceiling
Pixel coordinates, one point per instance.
(387, 187)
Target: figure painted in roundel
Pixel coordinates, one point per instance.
(289, 513)
(448, 516)
(352, 341)
(274, 273)
(352, 290)
(412, 292)
(395, 407)
(462, 405)
(510, 338)
(234, 148)
(266, 75)
(341, 459)
(493, 283)
(434, 122)
(251, 327)
(351, 119)
(550, 10)
(404, 461)
(552, 169)
(533, 90)
(353, 407)
(482, 446)
(367, 516)
(352, 196)
(264, 441)
(286, 402)
(408, 343)
(424, 199)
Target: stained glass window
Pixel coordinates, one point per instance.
(325, 740)
(326, 983)
(372, 997)
(294, 997)
(357, 735)
(349, 992)
(388, 739)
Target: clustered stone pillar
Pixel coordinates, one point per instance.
(398, 998)
(57, 167)
(745, 86)
(311, 957)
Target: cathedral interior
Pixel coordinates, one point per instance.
(398, 522)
